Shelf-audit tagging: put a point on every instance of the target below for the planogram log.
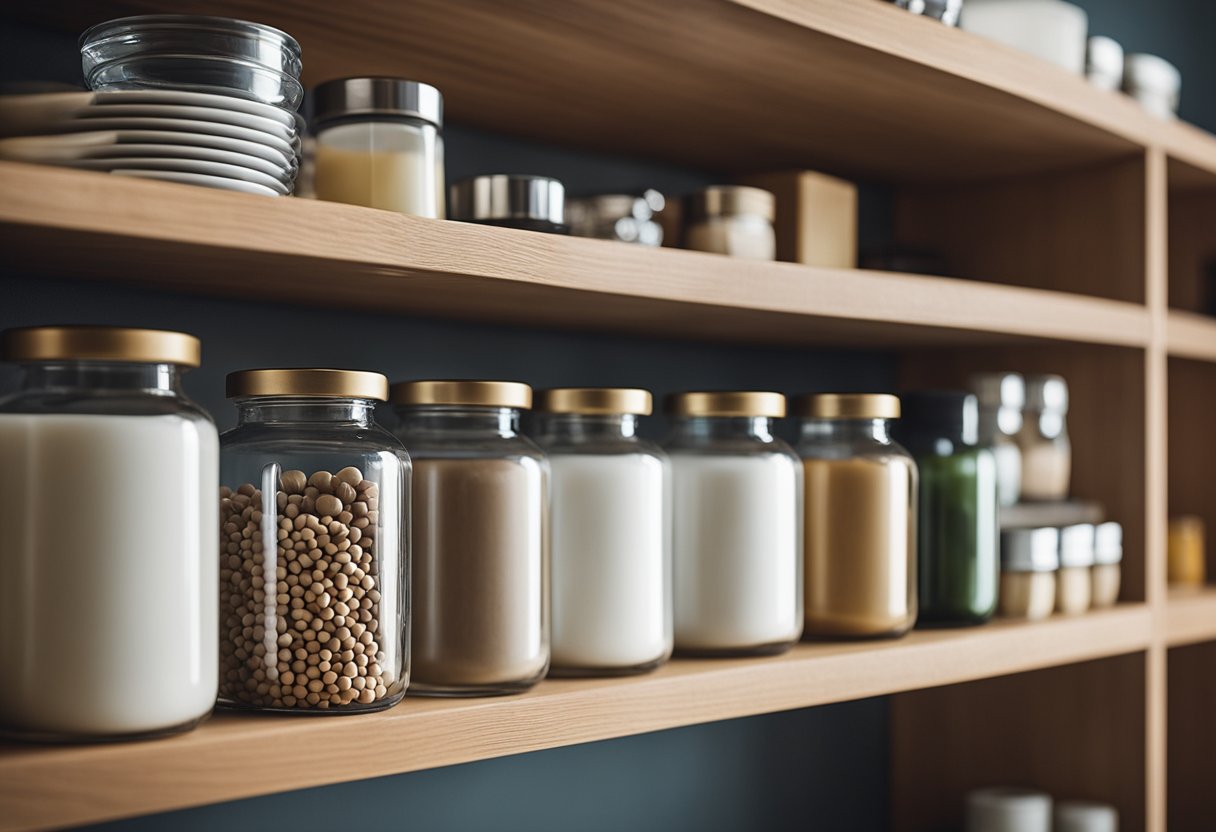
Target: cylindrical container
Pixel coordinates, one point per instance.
(1185, 561)
(1046, 450)
(481, 538)
(1074, 590)
(1051, 29)
(611, 559)
(1001, 398)
(623, 217)
(107, 605)
(958, 537)
(860, 517)
(314, 593)
(1004, 809)
(1154, 82)
(1107, 571)
(1104, 62)
(737, 525)
(944, 10)
(1030, 559)
(531, 203)
(380, 144)
(731, 219)
(1085, 816)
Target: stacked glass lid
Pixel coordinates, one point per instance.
(201, 100)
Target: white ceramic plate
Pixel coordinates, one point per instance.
(211, 114)
(72, 145)
(198, 99)
(183, 151)
(177, 125)
(185, 166)
(198, 179)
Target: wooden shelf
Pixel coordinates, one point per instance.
(59, 222)
(856, 87)
(1190, 335)
(1190, 615)
(227, 757)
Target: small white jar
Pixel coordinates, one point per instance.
(731, 219)
(1004, 809)
(1074, 588)
(1107, 572)
(1029, 560)
(1154, 82)
(1085, 816)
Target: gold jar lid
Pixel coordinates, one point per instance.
(101, 343)
(312, 382)
(470, 393)
(848, 406)
(731, 201)
(729, 403)
(595, 400)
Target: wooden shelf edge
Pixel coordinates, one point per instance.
(1190, 615)
(63, 222)
(226, 758)
(1190, 335)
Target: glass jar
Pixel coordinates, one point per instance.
(611, 569)
(380, 144)
(622, 217)
(530, 203)
(1107, 572)
(107, 606)
(737, 525)
(1073, 583)
(1001, 398)
(314, 605)
(860, 517)
(731, 219)
(1043, 439)
(481, 538)
(1007, 809)
(1029, 561)
(958, 537)
(1185, 564)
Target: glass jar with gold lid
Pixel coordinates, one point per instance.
(314, 547)
(860, 517)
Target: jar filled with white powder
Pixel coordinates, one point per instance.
(108, 603)
(731, 219)
(736, 525)
(611, 555)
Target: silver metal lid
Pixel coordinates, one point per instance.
(508, 197)
(354, 97)
(1077, 546)
(1047, 393)
(1030, 550)
(1108, 543)
(730, 201)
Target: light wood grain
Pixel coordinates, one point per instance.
(226, 758)
(90, 225)
(1192, 736)
(1190, 615)
(1191, 335)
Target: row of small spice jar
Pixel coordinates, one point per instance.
(1067, 570)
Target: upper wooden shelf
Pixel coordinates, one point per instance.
(227, 757)
(856, 87)
(1190, 615)
(1190, 335)
(58, 222)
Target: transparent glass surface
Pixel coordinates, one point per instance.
(394, 164)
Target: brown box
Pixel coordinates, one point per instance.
(816, 217)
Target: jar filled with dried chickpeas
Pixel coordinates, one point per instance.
(314, 545)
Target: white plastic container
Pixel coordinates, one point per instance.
(1051, 29)
(1154, 82)
(1003, 809)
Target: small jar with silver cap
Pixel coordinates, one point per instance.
(1029, 560)
(1001, 397)
(1043, 439)
(1073, 582)
(1107, 571)
(731, 219)
(380, 144)
(531, 203)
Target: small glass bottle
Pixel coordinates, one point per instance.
(1002, 397)
(481, 538)
(860, 517)
(1185, 550)
(958, 537)
(380, 144)
(1107, 572)
(1043, 439)
(1030, 559)
(611, 560)
(731, 219)
(107, 604)
(1073, 582)
(737, 525)
(314, 600)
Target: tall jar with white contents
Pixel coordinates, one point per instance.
(737, 525)
(314, 556)
(380, 144)
(611, 554)
(108, 597)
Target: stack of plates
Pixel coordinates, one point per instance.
(215, 140)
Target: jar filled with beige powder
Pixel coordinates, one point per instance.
(1107, 572)
(860, 540)
(1074, 586)
(1029, 561)
(1043, 439)
(481, 538)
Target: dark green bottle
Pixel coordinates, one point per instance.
(958, 537)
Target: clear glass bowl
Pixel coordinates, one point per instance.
(197, 53)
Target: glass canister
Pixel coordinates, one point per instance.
(860, 517)
(529, 203)
(1001, 398)
(1107, 572)
(481, 538)
(1043, 439)
(1029, 561)
(958, 539)
(380, 144)
(314, 599)
(737, 525)
(731, 219)
(107, 607)
(1073, 582)
(611, 568)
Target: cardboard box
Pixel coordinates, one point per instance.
(816, 217)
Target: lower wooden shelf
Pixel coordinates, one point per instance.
(1190, 615)
(235, 756)
(1190, 335)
